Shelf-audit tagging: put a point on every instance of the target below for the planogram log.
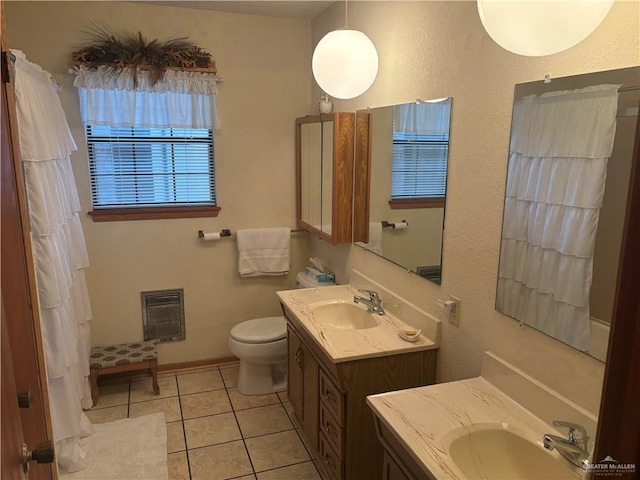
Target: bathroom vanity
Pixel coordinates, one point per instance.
(490, 426)
(335, 360)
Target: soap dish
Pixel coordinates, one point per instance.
(409, 334)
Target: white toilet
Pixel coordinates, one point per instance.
(261, 346)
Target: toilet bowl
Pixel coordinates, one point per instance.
(261, 346)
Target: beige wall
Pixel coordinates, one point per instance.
(439, 49)
(265, 65)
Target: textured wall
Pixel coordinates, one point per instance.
(265, 64)
(439, 49)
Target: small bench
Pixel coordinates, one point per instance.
(127, 357)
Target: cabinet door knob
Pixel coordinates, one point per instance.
(43, 453)
(300, 357)
(329, 461)
(330, 396)
(297, 356)
(330, 429)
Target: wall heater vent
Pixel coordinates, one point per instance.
(163, 315)
(432, 273)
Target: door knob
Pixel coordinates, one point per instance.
(25, 399)
(43, 453)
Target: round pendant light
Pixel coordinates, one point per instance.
(345, 63)
(537, 28)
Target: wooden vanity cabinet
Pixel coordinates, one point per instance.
(324, 175)
(303, 387)
(397, 462)
(329, 401)
(391, 470)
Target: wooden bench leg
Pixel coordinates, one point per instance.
(153, 366)
(93, 376)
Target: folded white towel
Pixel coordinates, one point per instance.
(264, 251)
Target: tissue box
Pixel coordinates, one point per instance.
(319, 276)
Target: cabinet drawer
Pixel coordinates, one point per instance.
(331, 430)
(330, 462)
(331, 396)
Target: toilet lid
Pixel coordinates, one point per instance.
(260, 330)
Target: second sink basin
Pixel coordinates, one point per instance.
(496, 453)
(343, 315)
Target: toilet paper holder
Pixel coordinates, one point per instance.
(223, 233)
(386, 224)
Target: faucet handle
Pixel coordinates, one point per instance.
(372, 294)
(577, 433)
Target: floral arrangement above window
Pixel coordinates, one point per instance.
(119, 51)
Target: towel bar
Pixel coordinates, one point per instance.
(227, 233)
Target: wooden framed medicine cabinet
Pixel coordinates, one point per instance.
(324, 175)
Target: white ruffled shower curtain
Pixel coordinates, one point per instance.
(560, 145)
(60, 256)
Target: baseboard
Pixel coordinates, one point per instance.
(115, 378)
(217, 362)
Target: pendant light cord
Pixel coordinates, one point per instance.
(345, 14)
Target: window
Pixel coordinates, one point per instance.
(150, 148)
(420, 151)
(151, 168)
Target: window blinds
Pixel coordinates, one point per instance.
(150, 167)
(420, 149)
(419, 168)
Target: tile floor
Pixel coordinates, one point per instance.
(213, 431)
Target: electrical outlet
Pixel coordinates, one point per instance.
(453, 310)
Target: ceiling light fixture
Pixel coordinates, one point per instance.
(537, 28)
(345, 62)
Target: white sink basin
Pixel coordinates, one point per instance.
(491, 452)
(343, 315)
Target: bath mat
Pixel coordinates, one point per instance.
(131, 448)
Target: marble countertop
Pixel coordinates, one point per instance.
(345, 345)
(426, 420)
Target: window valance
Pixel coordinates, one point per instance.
(426, 118)
(182, 100)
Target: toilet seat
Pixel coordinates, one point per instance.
(260, 330)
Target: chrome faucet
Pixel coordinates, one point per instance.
(574, 447)
(373, 302)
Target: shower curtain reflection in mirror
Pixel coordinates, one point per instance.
(560, 144)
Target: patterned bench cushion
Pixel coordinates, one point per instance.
(111, 356)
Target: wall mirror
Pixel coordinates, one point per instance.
(570, 158)
(311, 174)
(401, 169)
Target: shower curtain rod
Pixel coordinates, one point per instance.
(12, 58)
(632, 111)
